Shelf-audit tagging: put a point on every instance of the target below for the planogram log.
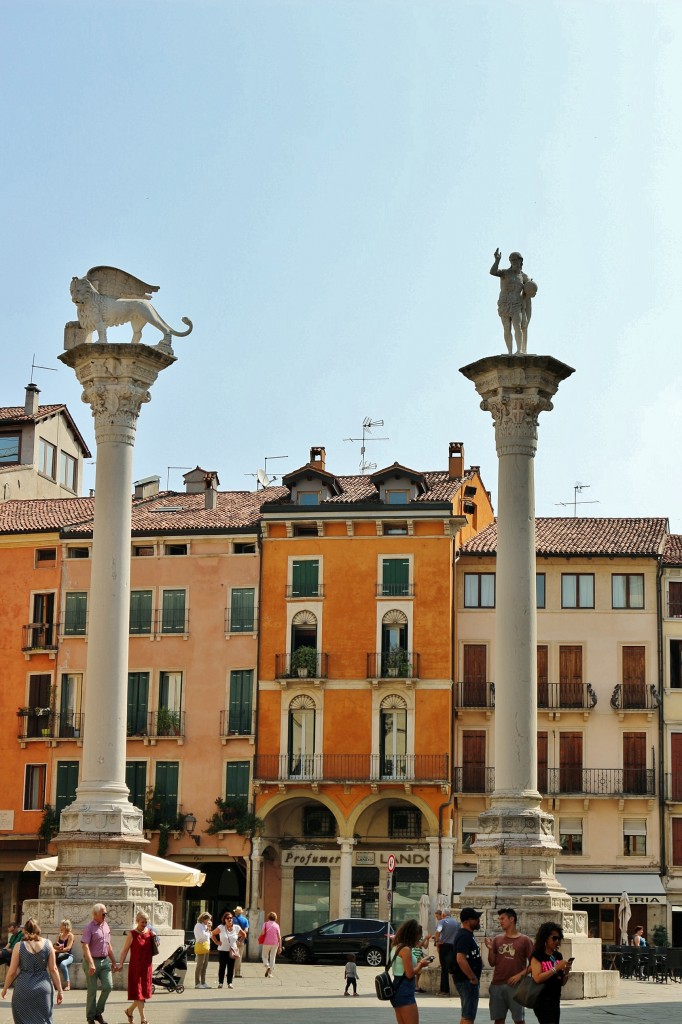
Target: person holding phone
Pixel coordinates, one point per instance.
(549, 970)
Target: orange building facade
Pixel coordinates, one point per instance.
(355, 688)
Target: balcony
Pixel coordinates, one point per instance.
(393, 664)
(635, 697)
(295, 590)
(244, 621)
(674, 608)
(40, 636)
(295, 666)
(172, 621)
(474, 778)
(566, 696)
(475, 694)
(41, 723)
(424, 768)
(235, 723)
(598, 782)
(395, 590)
(166, 723)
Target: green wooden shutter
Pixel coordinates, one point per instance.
(67, 780)
(76, 611)
(305, 577)
(140, 611)
(173, 620)
(138, 697)
(241, 698)
(136, 781)
(237, 781)
(242, 610)
(167, 788)
(396, 577)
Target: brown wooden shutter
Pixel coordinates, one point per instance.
(675, 600)
(676, 765)
(542, 762)
(634, 677)
(571, 762)
(677, 841)
(473, 761)
(571, 676)
(543, 679)
(634, 762)
(474, 676)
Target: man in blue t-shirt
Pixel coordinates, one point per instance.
(468, 964)
(243, 922)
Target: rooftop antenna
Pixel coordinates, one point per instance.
(578, 488)
(367, 424)
(37, 366)
(262, 478)
(186, 468)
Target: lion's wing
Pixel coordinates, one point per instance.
(118, 284)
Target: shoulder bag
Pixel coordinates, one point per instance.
(527, 992)
(384, 985)
(156, 943)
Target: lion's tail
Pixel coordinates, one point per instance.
(183, 334)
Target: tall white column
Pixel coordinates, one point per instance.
(345, 875)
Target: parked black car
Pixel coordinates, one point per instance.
(364, 936)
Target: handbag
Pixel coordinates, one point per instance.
(234, 954)
(61, 957)
(527, 992)
(202, 947)
(156, 943)
(384, 985)
(261, 938)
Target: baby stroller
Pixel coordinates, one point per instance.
(171, 973)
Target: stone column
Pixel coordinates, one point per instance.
(345, 875)
(255, 911)
(515, 847)
(101, 841)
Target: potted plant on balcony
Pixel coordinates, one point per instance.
(167, 722)
(304, 662)
(396, 663)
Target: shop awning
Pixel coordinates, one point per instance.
(161, 871)
(605, 886)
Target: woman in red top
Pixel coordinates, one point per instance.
(141, 945)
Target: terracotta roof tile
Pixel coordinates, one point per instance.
(554, 536)
(673, 549)
(43, 514)
(16, 414)
(358, 488)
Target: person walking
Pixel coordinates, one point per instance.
(98, 963)
(406, 972)
(447, 930)
(33, 964)
(202, 949)
(468, 964)
(509, 955)
(272, 943)
(350, 972)
(549, 970)
(227, 935)
(63, 948)
(243, 922)
(140, 942)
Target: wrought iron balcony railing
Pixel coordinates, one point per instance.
(474, 778)
(166, 722)
(244, 621)
(395, 589)
(393, 664)
(431, 768)
(297, 666)
(635, 697)
(475, 694)
(565, 696)
(171, 621)
(40, 636)
(236, 723)
(568, 780)
(41, 723)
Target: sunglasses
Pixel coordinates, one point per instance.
(555, 938)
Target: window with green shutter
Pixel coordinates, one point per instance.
(395, 581)
(237, 781)
(140, 612)
(75, 614)
(138, 703)
(173, 613)
(67, 780)
(242, 609)
(241, 700)
(136, 781)
(167, 788)
(305, 577)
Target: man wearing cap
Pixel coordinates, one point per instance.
(509, 954)
(98, 963)
(446, 933)
(468, 964)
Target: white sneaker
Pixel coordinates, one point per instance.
(230, 985)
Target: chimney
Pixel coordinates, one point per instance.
(31, 403)
(211, 492)
(318, 457)
(147, 488)
(456, 460)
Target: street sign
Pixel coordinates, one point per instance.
(390, 863)
(389, 897)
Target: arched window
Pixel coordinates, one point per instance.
(394, 645)
(302, 736)
(393, 737)
(303, 630)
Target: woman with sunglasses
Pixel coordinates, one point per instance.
(550, 971)
(227, 936)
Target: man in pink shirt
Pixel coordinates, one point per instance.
(98, 963)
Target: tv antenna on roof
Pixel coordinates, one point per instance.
(262, 478)
(37, 366)
(367, 424)
(578, 488)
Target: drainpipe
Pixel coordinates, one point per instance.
(661, 717)
(259, 544)
(451, 798)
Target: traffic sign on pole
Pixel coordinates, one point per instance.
(389, 897)
(390, 863)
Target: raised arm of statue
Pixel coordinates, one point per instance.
(495, 269)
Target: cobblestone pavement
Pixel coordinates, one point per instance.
(308, 995)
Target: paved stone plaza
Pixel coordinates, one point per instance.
(315, 993)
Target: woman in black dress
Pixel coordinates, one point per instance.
(550, 971)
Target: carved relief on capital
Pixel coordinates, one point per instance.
(116, 407)
(515, 415)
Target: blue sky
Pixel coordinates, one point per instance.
(320, 186)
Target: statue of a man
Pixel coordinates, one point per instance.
(514, 303)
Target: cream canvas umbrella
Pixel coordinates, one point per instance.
(624, 915)
(424, 909)
(161, 871)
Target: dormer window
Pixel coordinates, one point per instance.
(396, 496)
(308, 497)
(398, 485)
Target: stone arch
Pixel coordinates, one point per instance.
(393, 702)
(278, 799)
(394, 617)
(304, 618)
(302, 701)
(430, 816)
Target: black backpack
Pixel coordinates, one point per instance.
(384, 984)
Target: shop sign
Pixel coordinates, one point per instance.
(615, 899)
(6, 821)
(363, 858)
(301, 855)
